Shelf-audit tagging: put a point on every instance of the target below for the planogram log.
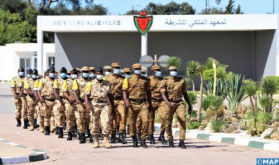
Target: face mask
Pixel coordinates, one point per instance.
(85, 75)
(116, 71)
(158, 73)
(74, 76)
(107, 73)
(144, 75)
(63, 75)
(20, 74)
(34, 76)
(68, 76)
(100, 77)
(138, 71)
(173, 73)
(127, 76)
(92, 75)
(28, 75)
(51, 75)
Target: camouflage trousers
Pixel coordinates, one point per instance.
(140, 110)
(151, 119)
(21, 108)
(101, 113)
(59, 112)
(119, 119)
(46, 112)
(180, 110)
(31, 104)
(81, 117)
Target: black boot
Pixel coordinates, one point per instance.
(113, 138)
(57, 131)
(60, 132)
(121, 139)
(88, 133)
(143, 144)
(82, 138)
(139, 136)
(171, 144)
(36, 124)
(75, 131)
(135, 142)
(128, 129)
(18, 122)
(162, 138)
(117, 130)
(28, 124)
(151, 138)
(70, 136)
(91, 139)
(181, 144)
(47, 130)
(79, 136)
(25, 124)
(101, 134)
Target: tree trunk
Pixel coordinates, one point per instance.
(256, 102)
(201, 96)
(252, 105)
(193, 85)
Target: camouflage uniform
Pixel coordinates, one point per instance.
(116, 83)
(81, 114)
(59, 107)
(46, 109)
(98, 92)
(136, 88)
(31, 100)
(20, 103)
(174, 88)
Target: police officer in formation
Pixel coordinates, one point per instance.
(101, 103)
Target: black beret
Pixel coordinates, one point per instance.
(74, 71)
(99, 70)
(20, 69)
(35, 71)
(63, 70)
(51, 70)
(29, 71)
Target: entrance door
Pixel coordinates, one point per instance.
(29, 61)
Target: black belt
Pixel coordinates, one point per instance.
(156, 100)
(52, 100)
(175, 101)
(139, 101)
(118, 98)
(81, 99)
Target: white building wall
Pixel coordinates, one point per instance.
(11, 53)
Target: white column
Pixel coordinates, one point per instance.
(40, 40)
(144, 42)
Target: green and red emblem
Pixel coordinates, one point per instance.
(143, 23)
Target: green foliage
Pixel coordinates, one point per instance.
(222, 88)
(172, 8)
(236, 92)
(265, 118)
(192, 68)
(216, 125)
(265, 102)
(174, 61)
(209, 72)
(206, 103)
(269, 85)
(229, 76)
(193, 125)
(14, 29)
(212, 10)
(215, 102)
(251, 87)
(192, 97)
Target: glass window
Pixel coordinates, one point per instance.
(51, 61)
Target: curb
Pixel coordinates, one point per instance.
(234, 139)
(37, 156)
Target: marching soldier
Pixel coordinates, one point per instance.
(82, 115)
(47, 98)
(127, 74)
(100, 93)
(92, 73)
(20, 99)
(172, 91)
(107, 70)
(137, 97)
(119, 119)
(61, 94)
(30, 86)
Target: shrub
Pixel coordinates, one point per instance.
(192, 97)
(193, 125)
(174, 61)
(266, 103)
(206, 103)
(269, 85)
(216, 125)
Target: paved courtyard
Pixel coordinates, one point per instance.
(61, 151)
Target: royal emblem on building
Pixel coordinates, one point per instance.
(143, 22)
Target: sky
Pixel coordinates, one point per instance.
(116, 7)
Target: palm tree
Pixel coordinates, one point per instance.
(174, 61)
(194, 68)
